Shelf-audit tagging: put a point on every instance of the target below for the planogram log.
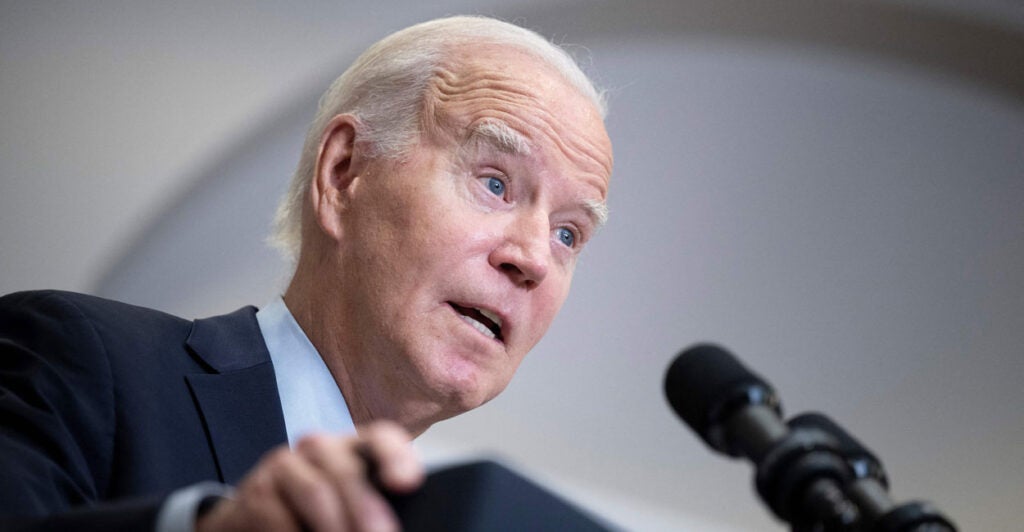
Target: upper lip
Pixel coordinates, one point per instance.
(490, 313)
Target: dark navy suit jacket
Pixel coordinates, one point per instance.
(107, 407)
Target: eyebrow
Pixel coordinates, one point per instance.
(597, 210)
(501, 137)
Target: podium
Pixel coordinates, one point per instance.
(486, 496)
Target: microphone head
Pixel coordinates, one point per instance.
(706, 385)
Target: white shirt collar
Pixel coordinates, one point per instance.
(310, 398)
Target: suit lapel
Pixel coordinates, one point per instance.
(238, 402)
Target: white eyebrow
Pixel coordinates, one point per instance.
(502, 137)
(505, 139)
(597, 210)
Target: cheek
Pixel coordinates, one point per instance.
(421, 235)
(547, 301)
(452, 233)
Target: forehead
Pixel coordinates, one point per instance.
(491, 84)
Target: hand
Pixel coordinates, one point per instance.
(321, 485)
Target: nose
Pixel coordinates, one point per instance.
(524, 252)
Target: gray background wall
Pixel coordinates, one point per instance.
(833, 189)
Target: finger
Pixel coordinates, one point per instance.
(339, 460)
(389, 447)
(307, 492)
(255, 506)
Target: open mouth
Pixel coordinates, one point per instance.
(485, 321)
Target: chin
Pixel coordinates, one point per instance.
(465, 386)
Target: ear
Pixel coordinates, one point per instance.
(339, 164)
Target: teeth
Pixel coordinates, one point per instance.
(492, 316)
(478, 326)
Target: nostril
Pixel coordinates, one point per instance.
(517, 275)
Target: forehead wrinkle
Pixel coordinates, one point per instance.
(450, 86)
(576, 148)
(581, 151)
(486, 91)
(493, 94)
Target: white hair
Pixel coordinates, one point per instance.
(385, 89)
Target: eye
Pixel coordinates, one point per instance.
(495, 186)
(566, 236)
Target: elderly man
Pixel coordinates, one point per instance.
(446, 188)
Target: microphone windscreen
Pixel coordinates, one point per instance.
(706, 384)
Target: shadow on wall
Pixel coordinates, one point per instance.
(207, 252)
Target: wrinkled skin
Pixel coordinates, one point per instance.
(464, 218)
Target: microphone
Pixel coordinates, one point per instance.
(736, 412)
(869, 488)
(863, 462)
(810, 472)
(731, 408)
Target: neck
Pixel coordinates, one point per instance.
(367, 389)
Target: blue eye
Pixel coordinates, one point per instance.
(566, 236)
(496, 186)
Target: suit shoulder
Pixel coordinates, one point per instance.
(36, 315)
(70, 305)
